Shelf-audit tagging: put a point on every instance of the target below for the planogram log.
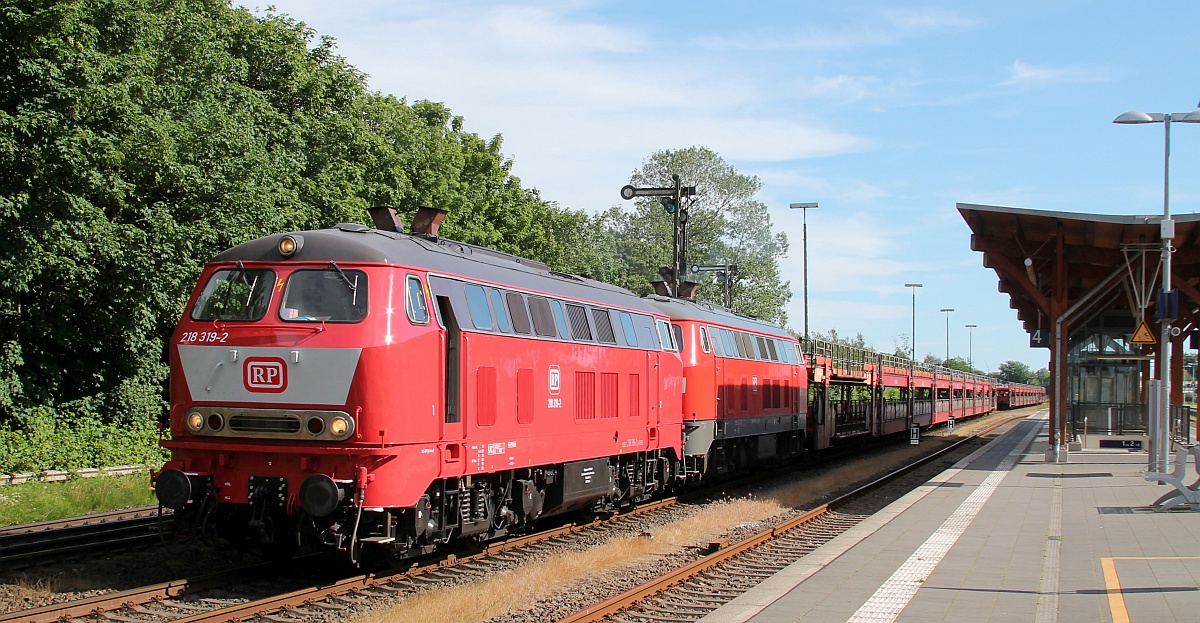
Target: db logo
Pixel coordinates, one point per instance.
(264, 374)
(555, 380)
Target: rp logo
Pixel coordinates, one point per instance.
(264, 375)
(555, 380)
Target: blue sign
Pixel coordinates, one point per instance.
(1124, 444)
(1039, 338)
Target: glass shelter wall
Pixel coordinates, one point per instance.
(1104, 379)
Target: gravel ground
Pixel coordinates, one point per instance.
(59, 582)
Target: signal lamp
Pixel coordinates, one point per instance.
(339, 426)
(216, 421)
(315, 425)
(668, 204)
(195, 422)
(290, 244)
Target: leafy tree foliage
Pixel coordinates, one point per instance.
(140, 137)
(1015, 372)
(958, 363)
(858, 341)
(726, 224)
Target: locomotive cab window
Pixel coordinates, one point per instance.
(664, 336)
(560, 320)
(501, 313)
(627, 327)
(477, 304)
(414, 301)
(235, 294)
(326, 295)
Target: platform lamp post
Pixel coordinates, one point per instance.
(913, 337)
(971, 345)
(947, 310)
(804, 208)
(912, 363)
(1160, 413)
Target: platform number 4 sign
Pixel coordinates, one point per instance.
(914, 435)
(1039, 338)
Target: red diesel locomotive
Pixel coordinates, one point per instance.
(359, 386)
(745, 388)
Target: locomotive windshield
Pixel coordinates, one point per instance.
(332, 294)
(237, 294)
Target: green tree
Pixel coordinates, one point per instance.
(726, 223)
(858, 341)
(140, 137)
(1015, 372)
(958, 363)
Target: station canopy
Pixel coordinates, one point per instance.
(1022, 246)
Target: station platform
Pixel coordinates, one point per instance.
(1002, 536)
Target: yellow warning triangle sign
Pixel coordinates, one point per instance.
(1143, 335)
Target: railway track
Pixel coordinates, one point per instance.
(258, 591)
(694, 590)
(76, 535)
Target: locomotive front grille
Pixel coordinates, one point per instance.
(285, 424)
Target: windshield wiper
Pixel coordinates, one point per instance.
(353, 285)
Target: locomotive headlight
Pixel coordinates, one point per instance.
(339, 426)
(290, 244)
(195, 421)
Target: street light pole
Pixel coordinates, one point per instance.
(913, 337)
(1159, 418)
(947, 310)
(804, 208)
(971, 346)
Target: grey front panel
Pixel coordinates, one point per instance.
(310, 376)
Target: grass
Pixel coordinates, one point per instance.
(538, 579)
(41, 501)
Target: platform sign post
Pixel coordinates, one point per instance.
(914, 435)
(950, 424)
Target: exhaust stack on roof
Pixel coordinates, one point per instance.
(385, 218)
(428, 220)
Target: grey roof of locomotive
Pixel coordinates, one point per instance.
(701, 311)
(353, 242)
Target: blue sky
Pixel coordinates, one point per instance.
(886, 114)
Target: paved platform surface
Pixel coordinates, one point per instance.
(1002, 536)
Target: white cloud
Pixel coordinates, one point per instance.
(1025, 75)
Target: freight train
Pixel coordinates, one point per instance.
(368, 389)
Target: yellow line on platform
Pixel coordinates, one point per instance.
(1112, 584)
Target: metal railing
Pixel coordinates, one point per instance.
(1107, 418)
